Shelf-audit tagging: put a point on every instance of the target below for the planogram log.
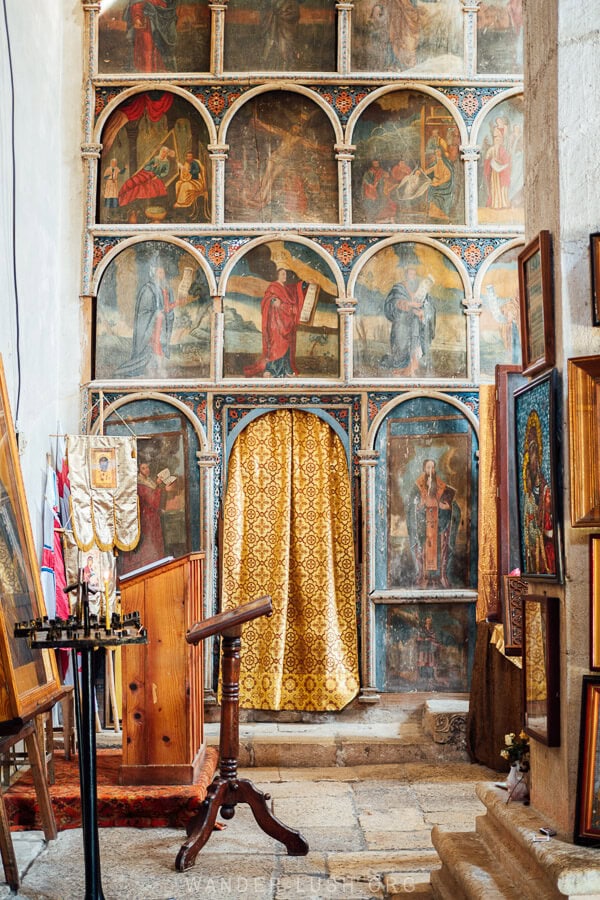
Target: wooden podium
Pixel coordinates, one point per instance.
(163, 725)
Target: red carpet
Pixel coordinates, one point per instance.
(148, 806)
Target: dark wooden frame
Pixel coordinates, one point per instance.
(514, 587)
(586, 831)
(508, 379)
(595, 275)
(584, 446)
(535, 296)
(595, 602)
(29, 678)
(551, 451)
(547, 649)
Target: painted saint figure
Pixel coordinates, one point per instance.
(153, 31)
(411, 310)
(153, 324)
(191, 188)
(281, 306)
(433, 519)
(151, 545)
(538, 522)
(279, 26)
(149, 182)
(111, 185)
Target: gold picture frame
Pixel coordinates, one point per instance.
(28, 678)
(584, 464)
(595, 602)
(535, 295)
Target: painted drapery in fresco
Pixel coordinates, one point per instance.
(288, 533)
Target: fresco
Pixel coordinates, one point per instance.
(425, 525)
(409, 320)
(500, 36)
(407, 165)
(408, 36)
(285, 35)
(149, 36)
(154, 165)
(153, 315)
(501, 170)
(427, 647)
(500, 320)
(281, 165)
(168, 481)
(281, 318)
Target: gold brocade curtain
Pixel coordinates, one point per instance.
(287, 532)
(488, 601)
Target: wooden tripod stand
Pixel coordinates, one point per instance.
(227, 790)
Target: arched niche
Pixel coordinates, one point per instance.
(285, 36)
(422, 543)
(141, 38)
(281, 165)
(265, 287)
(155, 165)
(153, 312)
(408, 37)
(407, 167)
(500, 37)
(409, 320)
(498, 132)
(169, 437)
(497, 290)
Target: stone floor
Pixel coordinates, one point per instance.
(368, 828)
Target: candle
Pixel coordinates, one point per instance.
(106, 596)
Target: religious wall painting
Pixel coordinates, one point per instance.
(408, 36)
(501, 173)
(168, 481)
(429, 468)
(409, 320)
(407, 165)
(426, 646)
(155, 165)
(281, 317)
(285, 36)
(153, 315)
(500, 37)
(281, 164)
(152, 36)
(499, 323)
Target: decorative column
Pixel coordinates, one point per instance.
(473, 345)
(346, 307)
(218, 325)
(218, 155)
(470, 156)
(90, 154)
(217, 30)
(344, 13)
(470, 9)
(344, 153)
(368, 459)
(208, 460)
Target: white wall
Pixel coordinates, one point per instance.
(45, 38)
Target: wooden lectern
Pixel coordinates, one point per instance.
(163, 725)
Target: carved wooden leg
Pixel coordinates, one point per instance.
(201, 827)
(9, 859)
(246, 792)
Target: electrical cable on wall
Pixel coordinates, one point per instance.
(14, 221)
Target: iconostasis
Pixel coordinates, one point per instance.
(315, 205)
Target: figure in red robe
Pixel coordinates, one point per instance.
(153, 27)
(281, 307)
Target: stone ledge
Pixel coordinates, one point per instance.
(445, 721)
(574, 870)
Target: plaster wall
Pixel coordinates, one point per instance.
(40, 334)
(562, 171)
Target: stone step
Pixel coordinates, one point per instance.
(300, 745)
(399, 884)
(469, 871)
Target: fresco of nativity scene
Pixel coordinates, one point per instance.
(281, 317)
(407, 165)
(409, 320)
(154, 166)
(153, 315)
